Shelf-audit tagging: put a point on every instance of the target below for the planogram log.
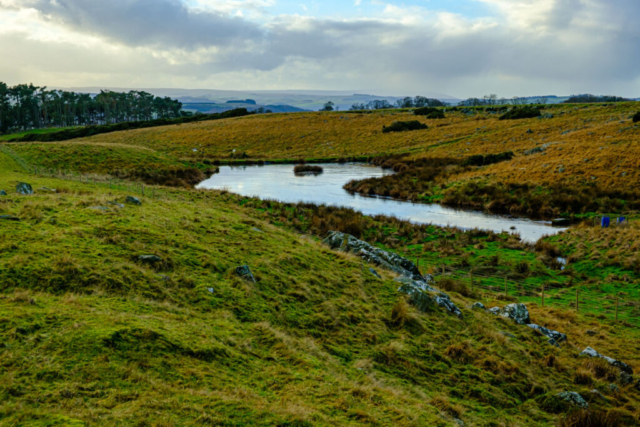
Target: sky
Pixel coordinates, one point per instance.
(461, 48)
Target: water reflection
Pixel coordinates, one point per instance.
(278, 182)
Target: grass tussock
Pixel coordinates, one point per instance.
(307, 170)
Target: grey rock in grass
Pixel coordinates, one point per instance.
(516, 312)
(376, 256)
(534, 151)
(625, 379)
(508, 334)
(51, 190)
(116, 204)
(555, 337)
(245, 272)
(614, 387)
(597, 393)
(479, 306)
(24, 189)
(9, 218)
(3, 193)
(573, 398)
(99, 208)
(424, 296)
(618, 364)
(134, 201)
(211, 290)
(150, 259)
(374, 272)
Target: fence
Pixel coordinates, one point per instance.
(613, 301)
(103, 181)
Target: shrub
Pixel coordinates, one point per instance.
(489, 159)
(404, 126)
(400, 313)
(636, 117)
(307, 170)
(429, 113)
(451, 285)
(521, 113)
(591, 418)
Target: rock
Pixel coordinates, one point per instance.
(561, 222)
(596, 392)
(625, 379)
(116, 204)
(534, 151)
(150, 259)
(51, 190)
(618, 364)
(24, 189)
(508, 334)
(516, 312)
(3, 193)
(133, 201)
(376, 256)
(555, 337)
(573, 398)
(245, 272)
(614, 388)
(424, 296)
(99, 208)
(529, 131)
(478, 305)
(211, 290)
(257, 230)
(9, 218)
(374, 272)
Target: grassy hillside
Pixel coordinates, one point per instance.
(91, 335)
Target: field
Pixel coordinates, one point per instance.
(93, 336)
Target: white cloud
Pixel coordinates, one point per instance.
(527, 47)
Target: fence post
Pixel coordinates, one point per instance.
(577, 302)
(142, 189)
(617, 297)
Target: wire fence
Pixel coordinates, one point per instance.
(619, 301)
(103, 181)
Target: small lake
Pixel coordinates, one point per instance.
(278, 182)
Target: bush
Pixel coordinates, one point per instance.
(489, 159)
(636, 118)
(404, 126)
(429, 113)
(307, 170)
(521, 113)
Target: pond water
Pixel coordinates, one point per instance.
(278, 182)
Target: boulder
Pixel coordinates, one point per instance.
(516, 312)
(133, 201)
(424, 296)
(24, 188)
(373, 255)
(245, 272)
(573, 398)
(3, 193)
(479, 306)
(9, 218)
(555, 337)
(374, 272)
(150, 259)
(618, 364)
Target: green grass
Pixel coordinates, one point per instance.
(91, 336)
(8, 137)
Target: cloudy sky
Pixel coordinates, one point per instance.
(458, 47)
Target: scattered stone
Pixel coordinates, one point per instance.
(3, 193)
(561, 222)
(459, 422)
(535, 150)
(133, 201)
(529, 131)
(598, 394)
(516, 312)
(555, 337)
(424, 296)
(99, 208)
(573, 398)
(625, 379)
(592, 333)
(479, 305)
(508, 334)
(374, 272)
(257, 230)
(245, 272)
(376, 256)
(24, 189)
(211, 290)
(614, 388)
(618, 364)
(51, 190)
(9, 218)
(150, 259)
(116, 204)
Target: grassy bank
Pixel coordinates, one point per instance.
(91, 335)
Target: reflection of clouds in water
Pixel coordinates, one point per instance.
(279, 182)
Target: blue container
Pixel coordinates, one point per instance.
(606, 222)
(622, 220)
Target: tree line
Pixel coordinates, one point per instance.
(26, 107)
